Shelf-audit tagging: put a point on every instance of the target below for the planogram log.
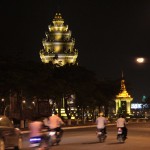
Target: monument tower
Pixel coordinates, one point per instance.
(123, 100)
(58, 45)
(59, 49)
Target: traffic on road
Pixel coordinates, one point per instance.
(85, 138)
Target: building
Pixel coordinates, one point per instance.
(123, 100)
(58, 45)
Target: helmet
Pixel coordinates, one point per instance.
(55, 112)
(101, 114)
(120, 115)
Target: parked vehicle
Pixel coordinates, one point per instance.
(9, 135)
(120, 135)
(101, 135)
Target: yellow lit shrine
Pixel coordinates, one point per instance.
(123, 100)
(58, 45)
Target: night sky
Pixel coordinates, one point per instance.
(109, 35)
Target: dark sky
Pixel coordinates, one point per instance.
(109, 34)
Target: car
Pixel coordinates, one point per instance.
(9, 135)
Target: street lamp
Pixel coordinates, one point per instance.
(33, 103)
(23, 101)
(2, 105)
(23, 104)
(140, 60)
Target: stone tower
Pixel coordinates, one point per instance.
(58, 45)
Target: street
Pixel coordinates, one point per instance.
(85, 139)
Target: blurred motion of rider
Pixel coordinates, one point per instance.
(121, 123)
(35, 128)
(55, 123)
(101, 122)
(46, 122)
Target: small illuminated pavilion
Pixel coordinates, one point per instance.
(58, 45)
(123, 100)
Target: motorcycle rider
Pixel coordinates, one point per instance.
(121, 123)
(101, 122)
(35, 128)
(55, 123)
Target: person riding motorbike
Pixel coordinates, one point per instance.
(101, 122)
(35, 131)
(35, 128)
(121, 123)
(55, 123)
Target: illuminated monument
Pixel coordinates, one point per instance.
(123, 100)
(58, 46)
(58, 49)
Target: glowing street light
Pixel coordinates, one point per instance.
(23, 101)
(140, 60)
(33, 102)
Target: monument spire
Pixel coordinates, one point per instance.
(123, 87)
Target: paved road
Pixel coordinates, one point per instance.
(85, 139)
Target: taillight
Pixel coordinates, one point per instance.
(119, 131)
(51, 133)
(35, 140)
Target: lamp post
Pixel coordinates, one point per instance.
(5, 110)
(33, 103)
(2, 103)
(23, 103)
(22, 123)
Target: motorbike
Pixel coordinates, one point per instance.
(44, 142)
(120, 135)
(54, 137)
(101, 135)
(39, 142)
